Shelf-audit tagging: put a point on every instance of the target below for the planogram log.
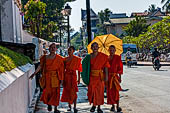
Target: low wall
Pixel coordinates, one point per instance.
(16, 90)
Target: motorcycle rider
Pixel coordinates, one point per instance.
(128, 55)
(155, 54)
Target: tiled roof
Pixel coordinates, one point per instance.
(139, 14)
(83, 14)
(120, 20)
(118, 15)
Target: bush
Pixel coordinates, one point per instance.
(10, 59)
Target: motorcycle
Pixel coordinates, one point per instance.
(156, 63)
(129, 61)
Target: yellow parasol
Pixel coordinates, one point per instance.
(105, 41)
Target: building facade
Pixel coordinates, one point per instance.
(11, 22)
(94, 20)
(117, 22)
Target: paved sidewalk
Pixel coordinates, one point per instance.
(83, 105)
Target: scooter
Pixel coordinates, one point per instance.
(129, 61)
(156, 63)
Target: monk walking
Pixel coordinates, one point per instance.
(72, 63)
(53, 67)
(98, 64)
(115, 71)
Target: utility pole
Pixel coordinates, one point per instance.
(0, 21)
(68, 28)
(88, 20)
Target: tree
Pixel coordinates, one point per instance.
(47, 23)
(136, 27)
(166, 5)
(152, 8)
(157, 35)
(35, 10)
(104, 15)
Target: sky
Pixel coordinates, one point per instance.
(116, 6)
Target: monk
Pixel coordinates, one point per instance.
(53, 67)
(72, 63)
(98, 65)
(115, 71)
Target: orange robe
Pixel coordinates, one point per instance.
(96, 85)
(116, 67)
(54, 73)
(70, 79)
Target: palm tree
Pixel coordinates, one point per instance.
(152, 8)
(166, 4)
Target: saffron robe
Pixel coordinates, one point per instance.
(70, 79)
(96, 85)
(116, 67)
(54, 72)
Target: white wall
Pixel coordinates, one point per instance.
(16, 90)
(11, 22)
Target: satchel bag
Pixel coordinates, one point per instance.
(42, 79)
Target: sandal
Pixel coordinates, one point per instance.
(56, 111)
(49, 108)
(93, 109)
(119, 109)
(69, 109)
(99, 110)
(112, 108)
(75, 111)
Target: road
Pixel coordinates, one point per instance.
(144, 91)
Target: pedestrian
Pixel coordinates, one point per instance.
(52, 67)
(98, 64)
(70, 89)
(114, 79)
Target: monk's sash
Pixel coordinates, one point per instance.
(97, 73)
(115, 81)
(85, 74)
(54, 78)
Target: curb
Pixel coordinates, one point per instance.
(152, 65)
(31, 108)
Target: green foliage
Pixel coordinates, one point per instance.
(10, 60)
(157, 35)
(136, 27)
(152, 8)
(41, 14)
(35, 10)
(74, 41)
(104, 15)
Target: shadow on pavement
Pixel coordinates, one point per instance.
(124, 90)
(162, 70)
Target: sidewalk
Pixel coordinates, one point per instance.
(142, 63)
(83, 105)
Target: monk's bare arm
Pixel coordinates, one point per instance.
(36, 71)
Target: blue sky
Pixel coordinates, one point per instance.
(116, 6)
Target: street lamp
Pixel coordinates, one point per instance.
(67, 12)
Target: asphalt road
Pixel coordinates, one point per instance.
(146, 90)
